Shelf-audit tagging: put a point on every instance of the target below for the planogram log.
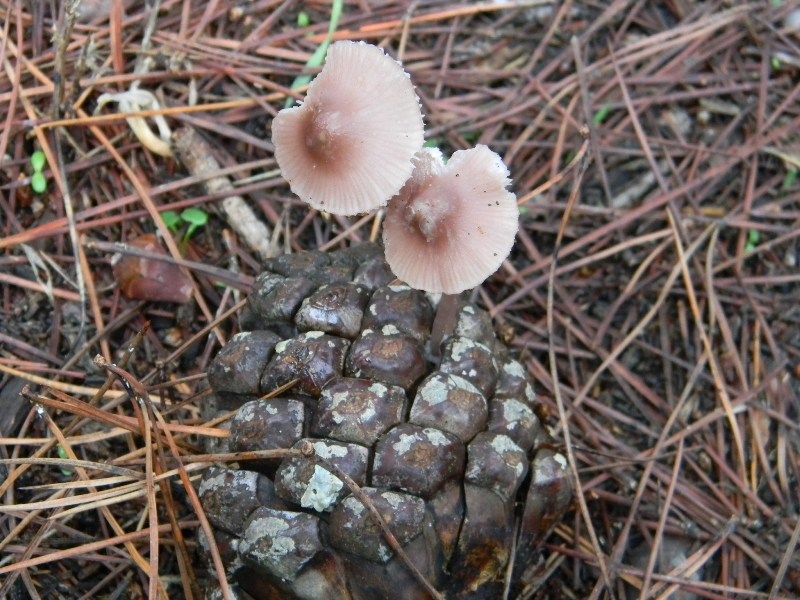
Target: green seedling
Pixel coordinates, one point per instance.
(192, 218)
(319, 56)
(790, 180)
(433, 143)
(39, 183)
(753, 239)
(196, 219)
(776, 63)
(172, 220)
(303, 20)
(38, 180)
(472, 137)
(38, 160)
(601, 115)
(62, 454)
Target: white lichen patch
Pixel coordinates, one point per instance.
(297, 410)
(329, 452)
(503, 444)
(561, 460)
(280, 347)
(514, 411)
(312, 335)
(460, 346)
(268, 540)
(389, 330)
(270, 528)
(378, 389)
(242, 480)
(529, 395)
(403, 445)
(394, 499)
(464, 385)
(506, 447)
(515, 369)
(434, 390)
(436, 437)
(271, 409)
(322, 491)
(217, 481)
(246, 413)
(354, 506)
(398, 288)
(384, 552)
(338, 398)
(244, 335)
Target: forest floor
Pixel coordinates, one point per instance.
(654, 148)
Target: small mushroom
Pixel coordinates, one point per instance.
(452, 225)
(349, 147)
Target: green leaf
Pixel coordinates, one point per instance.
(776, 63)
(38, 161)
(172, 220)
(303, 20)
(39, 182)
(195, 216)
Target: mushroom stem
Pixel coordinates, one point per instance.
(444, 322)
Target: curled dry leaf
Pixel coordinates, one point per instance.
(142, 278)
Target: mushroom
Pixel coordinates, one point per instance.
(452, 225)
(348, 147)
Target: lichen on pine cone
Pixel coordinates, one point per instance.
(449, 451)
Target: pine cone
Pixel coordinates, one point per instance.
(449, 451)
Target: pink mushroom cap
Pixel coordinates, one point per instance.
(348, 147)
(452, 225)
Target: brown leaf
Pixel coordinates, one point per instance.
(142, 278)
